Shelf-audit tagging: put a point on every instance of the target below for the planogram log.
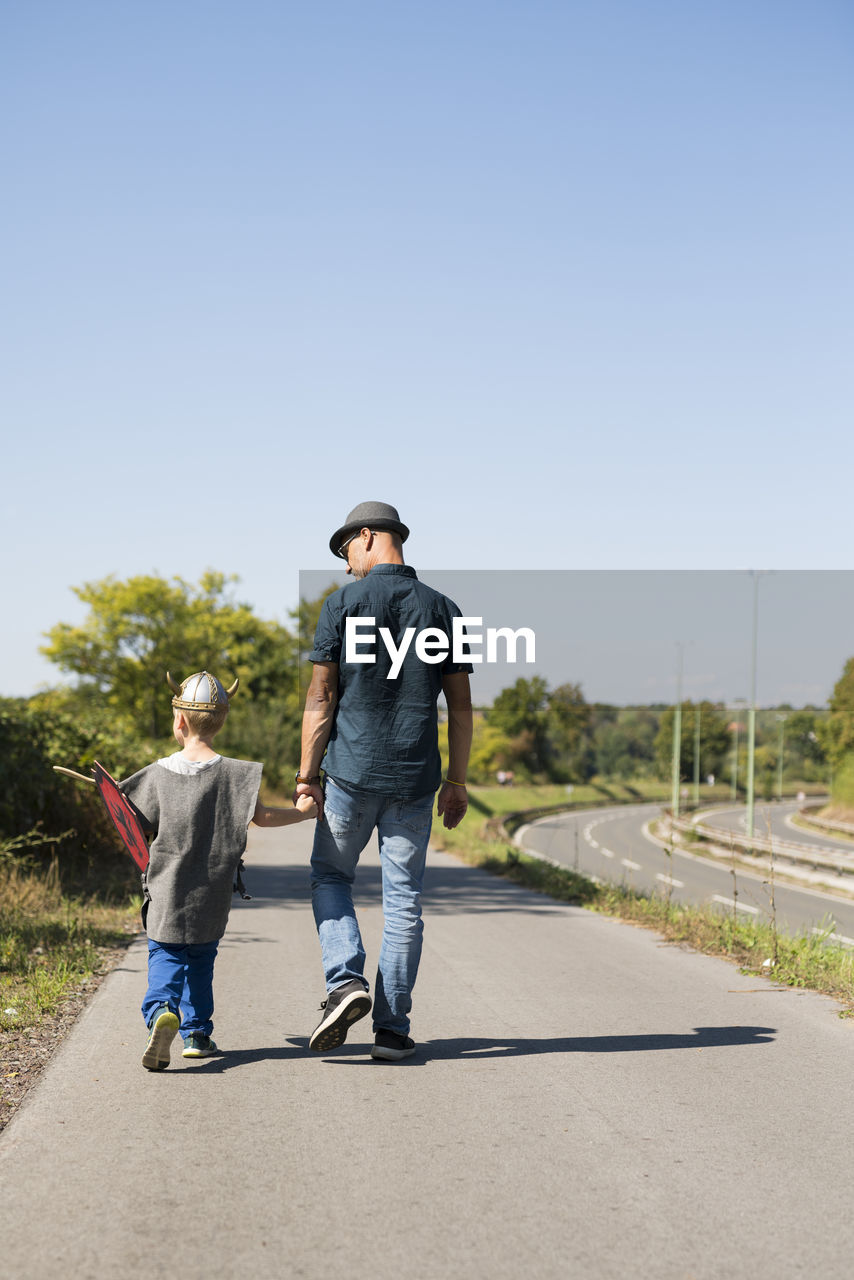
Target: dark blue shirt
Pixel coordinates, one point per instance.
(384, 734)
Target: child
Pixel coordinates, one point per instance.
(198, 804)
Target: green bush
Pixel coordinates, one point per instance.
(42, 812)
(843, 783)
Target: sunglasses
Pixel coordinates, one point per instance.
(345, 545)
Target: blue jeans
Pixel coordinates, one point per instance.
(182, 977)
(403, 830)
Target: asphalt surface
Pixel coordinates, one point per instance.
(776, 816)
(585, 1101)
(610, 844)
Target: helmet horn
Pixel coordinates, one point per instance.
(233, 690)
(173, 684)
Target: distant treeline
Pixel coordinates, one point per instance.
(553, 735)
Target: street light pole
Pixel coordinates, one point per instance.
(735, 749)
(751, 716)
(697, 714)
(677, 738)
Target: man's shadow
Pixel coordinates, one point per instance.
(473, 1048)
(651, 1042)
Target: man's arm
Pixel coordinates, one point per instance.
(453, 797)
(320, 703)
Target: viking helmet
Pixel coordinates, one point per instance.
(200, 692)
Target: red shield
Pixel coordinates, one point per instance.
(124, 819)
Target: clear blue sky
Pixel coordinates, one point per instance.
(570, 283)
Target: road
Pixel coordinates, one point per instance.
(610, 844)
(585, 1102)
(776, 816)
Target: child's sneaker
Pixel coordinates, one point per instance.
(164, 1028)
(196, 1046)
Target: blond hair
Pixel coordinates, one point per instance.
(206, 724)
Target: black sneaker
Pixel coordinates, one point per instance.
(341, 1008)
(390, 1047)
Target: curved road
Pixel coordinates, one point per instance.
(610, 844)
(776, 815)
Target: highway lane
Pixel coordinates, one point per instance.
(776, 814)
(610, 844)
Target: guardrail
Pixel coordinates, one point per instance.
(505, 824)
(787, 850)
(826, 824)
(815, 857)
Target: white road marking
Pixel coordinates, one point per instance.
(677, 884)
(606, 853)
(739, 906)
(656, 840)
(594, 844)
(632, 866)
(804, 890)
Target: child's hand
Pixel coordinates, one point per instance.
(307, 806)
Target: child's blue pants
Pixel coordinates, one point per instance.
(182, 977)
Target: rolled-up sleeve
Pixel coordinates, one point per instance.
(449, 667)
(327, 637)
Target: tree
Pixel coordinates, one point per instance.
(613, 752)
(518, 714)
(802, 744)
(624, 741)
(714, 740)
(541, 732)
(836, 733)
(490, 750)
(836, 737)
(568, 722)
(520, 706)
(43, 811)
(137, 630)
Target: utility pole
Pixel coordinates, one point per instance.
(751, 715)
(738, 705)
(677, 737)
(697, 714)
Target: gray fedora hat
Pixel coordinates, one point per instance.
(368, 515)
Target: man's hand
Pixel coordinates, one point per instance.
(307, 806)
(312, 791)
(452, 804)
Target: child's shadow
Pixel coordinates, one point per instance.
(230, 1058)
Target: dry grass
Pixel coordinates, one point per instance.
(55, 947)
(50, 942)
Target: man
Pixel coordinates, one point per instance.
(370, 718)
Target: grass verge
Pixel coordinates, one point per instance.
(809, 961)
(836, 833)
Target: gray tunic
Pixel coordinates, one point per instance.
(199, 824)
